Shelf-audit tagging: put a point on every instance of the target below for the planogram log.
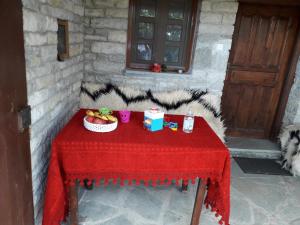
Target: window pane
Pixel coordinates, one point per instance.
(147, 11)
(176, 14)
(145, 30)
(171, 55)
(144, 52)
(173, 33)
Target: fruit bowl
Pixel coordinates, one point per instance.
(107, 127)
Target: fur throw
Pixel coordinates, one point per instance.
(290, 149)
(201, 103)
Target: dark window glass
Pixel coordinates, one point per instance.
(174, 32)
(176, 14)
(145, 30)
(147, 11)
(171, 55)
(144, 52)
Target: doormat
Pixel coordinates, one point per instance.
(261, 166)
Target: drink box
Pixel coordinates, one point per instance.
(153, 119)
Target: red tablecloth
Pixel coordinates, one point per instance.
(132, 153)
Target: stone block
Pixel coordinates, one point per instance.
(44, 82)
(228, 19)
(117, 58)
(211, 18)
(78, 9)
(216, 29)
(75, 38)
(117, 36)
(117, 13)
(48, 53)
(75, 49)
(32, 56)
(112, 23)
(51, 38)
(95, 37)
(108, 67)
(32, 39)
(35, 22)
(123, 4)
(206, 6)
(225, 6)
(108, 48)
(94, 12)
(103, 3)
(31, 4)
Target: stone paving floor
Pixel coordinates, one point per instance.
(255, 200)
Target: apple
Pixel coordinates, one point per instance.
(90, 119)
(99, 121)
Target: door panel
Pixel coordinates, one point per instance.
(16, 203)
(263, 42)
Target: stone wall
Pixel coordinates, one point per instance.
(105, 46)
(292, 113)
(53, 87)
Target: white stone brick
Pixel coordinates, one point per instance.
(108, 67)
(31, 4)
(95, 37)
(117, 13)
(123, 4)
(51, 38)
(117, 36)
(75, 49)
(44, 82)
(212, 18)
(33, 39)
(113, 23)
(206, 6)
(103, 3)
(228, 19)
(216, 29)
(75, 38)
(225, 7)
(36, 22)
(78, 9)
(94, 12)
(108, 48)
(49, 53)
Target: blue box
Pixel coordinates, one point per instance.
(153, 120)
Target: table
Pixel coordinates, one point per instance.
(133, 154)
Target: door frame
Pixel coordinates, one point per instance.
(290, 73)
(16, 195)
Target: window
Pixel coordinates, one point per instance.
(161, 31)
(62, 40)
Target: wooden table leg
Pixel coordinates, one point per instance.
(184, 185)
(199, 201)
(73, 204)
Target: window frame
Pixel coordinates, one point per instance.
(190, 43)
(66, 54)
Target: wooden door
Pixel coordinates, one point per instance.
(16, 207)
(263, 43)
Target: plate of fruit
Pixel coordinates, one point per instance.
(100, 121)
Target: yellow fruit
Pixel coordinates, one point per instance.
(111, 118)
(90, 113)
(98, 115)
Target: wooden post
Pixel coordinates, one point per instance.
(199, 201)
(73, 204)
(184, 186)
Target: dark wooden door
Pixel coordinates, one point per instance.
(263, 43)
(16, 206)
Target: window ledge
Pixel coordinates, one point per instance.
(141, 73)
